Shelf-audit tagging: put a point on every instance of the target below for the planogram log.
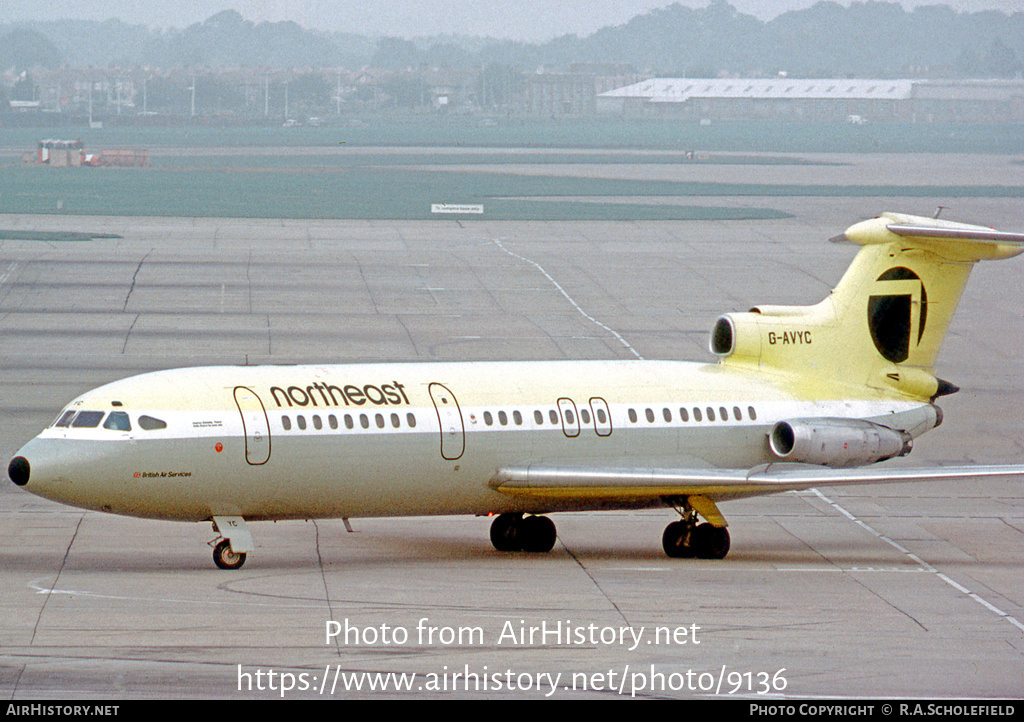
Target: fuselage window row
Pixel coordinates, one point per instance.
(365, 421)
(500, 418)
(556, 420)
(708, 412)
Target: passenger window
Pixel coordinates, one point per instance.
(723, 414)
(683, 414)
(517, 418)
(569, 418)
(150, 424)
(301, 421)
(364, 421)
(632, 415)
(736, 413)
(751, 413)
(711, 414)
(503, 418)
(65, 420)
(317, 423)
(349, 424)
(667, 415)
(411, 418)
(286, 423)
(553, 415)
(650, 416)
(379, 418)
(395, 421)
(87, 420)
(696, 414)
(538, 417)
(488, 419)
(601, 416)
(118, 421)
(333, 421)
(584, 416)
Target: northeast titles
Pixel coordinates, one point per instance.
(320, 394)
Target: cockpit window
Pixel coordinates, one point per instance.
(87, 419)
(151, 424)
(65, 420)
(118, 421)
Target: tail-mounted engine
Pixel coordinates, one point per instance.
(763, 334)
(838, 443)
(805, 339)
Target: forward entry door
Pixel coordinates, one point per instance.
(255, 425)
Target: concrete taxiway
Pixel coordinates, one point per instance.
(892, 591)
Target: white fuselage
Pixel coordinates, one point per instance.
(287, 442)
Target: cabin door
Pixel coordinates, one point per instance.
(570, 417)
(449, 416)
(255, 425)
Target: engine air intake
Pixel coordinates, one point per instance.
(723, 337)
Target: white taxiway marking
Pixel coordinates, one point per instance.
(569, 298)
(40, 588)
(925, 566)
(11, 267)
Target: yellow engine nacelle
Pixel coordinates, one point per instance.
(766, 334)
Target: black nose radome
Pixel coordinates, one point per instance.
(18, 470)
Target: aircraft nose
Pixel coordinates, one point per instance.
(19, 470)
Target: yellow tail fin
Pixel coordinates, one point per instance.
(883, 324)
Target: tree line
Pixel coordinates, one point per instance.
(865, 39)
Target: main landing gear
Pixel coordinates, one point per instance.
(683, 539)
(515, 533)
(688, 539)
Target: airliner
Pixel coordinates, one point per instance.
(799, 397)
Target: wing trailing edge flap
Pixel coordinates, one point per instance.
(591, 483)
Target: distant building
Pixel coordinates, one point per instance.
(575, 93)
(122, 95)
(556, 95)
(969, 101)
(819, 99)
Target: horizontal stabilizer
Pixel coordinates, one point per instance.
(968, 233)
(955, 241)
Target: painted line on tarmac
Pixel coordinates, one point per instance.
(921, 562)
(569, 298)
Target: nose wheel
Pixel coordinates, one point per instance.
(225, 558)
(230, 548)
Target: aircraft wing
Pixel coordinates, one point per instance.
(583, 484)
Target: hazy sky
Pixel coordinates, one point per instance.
(534, 20)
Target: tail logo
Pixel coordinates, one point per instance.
(899, 314)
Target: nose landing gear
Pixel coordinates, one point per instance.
(225, 558)
(230, 550)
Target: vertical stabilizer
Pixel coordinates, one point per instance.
(884, 323)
